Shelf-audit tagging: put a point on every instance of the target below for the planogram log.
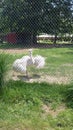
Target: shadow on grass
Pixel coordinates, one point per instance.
(69, 97)
(27, 46)
(26, 78)
(13, 46)
(71, 51)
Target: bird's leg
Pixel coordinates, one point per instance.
(13, 74)
(27, 74)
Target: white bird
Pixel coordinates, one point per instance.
(20, 65)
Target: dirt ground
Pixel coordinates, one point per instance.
(14, 51)
(37, 78)
(47, 110)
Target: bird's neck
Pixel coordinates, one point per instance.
(31, 57)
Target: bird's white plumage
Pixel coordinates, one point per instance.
(20, 65)
(39, 61)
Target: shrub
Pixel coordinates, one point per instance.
(3, 69)
(69, 96)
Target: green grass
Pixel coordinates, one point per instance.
(35, 106)
(59, 63)
(21, 106)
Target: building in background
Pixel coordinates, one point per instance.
(23, 37)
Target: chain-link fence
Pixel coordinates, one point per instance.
(31, 22)
(36, 64)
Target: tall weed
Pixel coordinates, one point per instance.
(3, 69)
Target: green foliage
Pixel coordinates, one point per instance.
(35, 93)
(58, 17)
(3, 69)
(52, 17)
(22, 103)
(64, 119)
(69, 96)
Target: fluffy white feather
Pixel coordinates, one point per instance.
(20, 65)
(39, 61)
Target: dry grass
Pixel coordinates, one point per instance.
(48, 110)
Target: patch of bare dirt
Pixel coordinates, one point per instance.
(70, 65)
(14, 51)
(55, 79)
(47, 110)
(40, 78)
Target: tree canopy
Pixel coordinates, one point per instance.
(49, 16)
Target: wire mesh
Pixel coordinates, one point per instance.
(36, 24)
(31, 22)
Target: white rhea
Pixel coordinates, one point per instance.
(20, 65)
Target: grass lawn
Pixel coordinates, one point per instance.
(47, 102)
(35, 106)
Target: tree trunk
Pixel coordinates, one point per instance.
(55, 39)
(34, 40)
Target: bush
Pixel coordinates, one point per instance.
(3, 69)
(69, 96)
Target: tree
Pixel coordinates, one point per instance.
(34, 15)
(57, 17)
(23, 15)
(0, 16)
(10, 15)
(49, 16)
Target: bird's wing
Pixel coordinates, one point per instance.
(19, 68)
(17, 61)
(19, 65)
(24, 60)
(39, 61)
